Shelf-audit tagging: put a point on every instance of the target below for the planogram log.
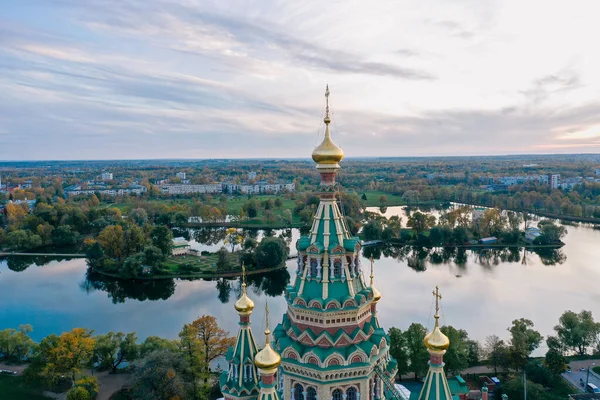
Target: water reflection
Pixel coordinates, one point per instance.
(120, 290)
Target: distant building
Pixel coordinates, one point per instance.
(106, 176)
(161, 181)
(180, 247)
(532, 233)
(554, 180)
(76, 191)
(477, 214)
(259, 188)
(251, 175)
(180, 175)
(597, 171)
(488, 240)
(187, 189)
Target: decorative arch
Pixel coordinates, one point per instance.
(291, 354)
(351, 393)
(357, 358)
(373, 351)
(333, 304)
(382, 343)
(312, 360)
(315, 304)
(299, 301)
(338, 250)
(311, 393)
(350, 303)
(333, 359)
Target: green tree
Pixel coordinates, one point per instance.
(64, 236)
(22, 240)
(223, 263)
(417, 352)
(577, 331)
(156, 343)
(435, 236)
(278, 202)
(287, 217)
(524, 340)
(420, 222)
(251, 208)
(139, 216)
(271, 252)
(372, 230)
(90, 384)
(133, 266)
(398, 350)
(162, 237)
(114, 348)
(134, 240)
(514, 389)
(112, 241)
(364, 197)
(160, 376)
(456, 357)
(153, 256)
(15, 344)
(555, 362)
(78, 393)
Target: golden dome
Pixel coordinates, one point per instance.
(244, 305)
(436, 340)
(327, 152)
(267, 358)
(376, 294)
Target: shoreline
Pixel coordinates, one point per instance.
(232, 274)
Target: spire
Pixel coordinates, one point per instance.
(244, 305)
(327, 152)
(267, 360)
(376, 293)
(436, 340)
(436, 384)
(241, 379)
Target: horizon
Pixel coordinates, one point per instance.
(193, 80)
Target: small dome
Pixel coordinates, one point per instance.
(244, 305)
(376, 294)
(436, 340)
(267, 358)
(328, 152)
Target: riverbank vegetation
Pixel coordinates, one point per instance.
(462, 226)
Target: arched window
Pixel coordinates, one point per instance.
(298, 392)
(337, 395)
(351, 393)
(313, 268)
(337, 267)
(248, 372)
(311, 394)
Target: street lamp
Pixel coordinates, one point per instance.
(588, 374)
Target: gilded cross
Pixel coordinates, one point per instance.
(267, 314)
(438, 297)
(372, 275)
(243, 273)
(327, 101)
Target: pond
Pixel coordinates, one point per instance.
(482, 291)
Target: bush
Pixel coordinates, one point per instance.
(78, 393)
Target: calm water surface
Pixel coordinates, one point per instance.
(481, 293)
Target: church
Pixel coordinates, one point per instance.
(329, 344)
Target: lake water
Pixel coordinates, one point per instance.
(482, 292)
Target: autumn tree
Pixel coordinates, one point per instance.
(114, 348)
(65, 355)
(206, 341)
(233, 238)
(15, 344)
(112, 241)
(420, 222)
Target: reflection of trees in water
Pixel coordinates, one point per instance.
(417, 257)
(21, 263)
(271, 283)
(224, 289)
(209, 235)
(120, 289)
(181, 232)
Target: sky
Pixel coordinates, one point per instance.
(137, 79)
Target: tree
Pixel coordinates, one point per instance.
(90, 384)
(207, 341)
(417, 352)
(364, 197)
(15, 344)
(114, 348)
(44, 231)
(491, 222)
(78, 393)
(372, 230)
(456, 357)
(64, 236)
(271, 252)
(112, 241)
(251, 208)
(420, 222)
(555, 362)
(134, 240)
(496, 351)
(398, 350)
(156, 343)
(139, 216)
(287, 216)
(524, 340)
(22, 240)
(153, 256)
(65, 355)
(133, 266)
(435, 236)
(514, 389)
(551, 233)
(162, 237)
(576, 331)
(161, 376)
(278, 202)
(383, 199)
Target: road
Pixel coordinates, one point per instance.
(575, 375)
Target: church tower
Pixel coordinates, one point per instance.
(331, 344)
(436, 385)
(240, 381)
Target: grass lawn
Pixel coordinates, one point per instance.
(374, 196)
(207, 264)
(12, 387)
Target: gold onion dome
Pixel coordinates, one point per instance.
(244, 305)
(327, 152)
(436, 340)
(267, 358)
